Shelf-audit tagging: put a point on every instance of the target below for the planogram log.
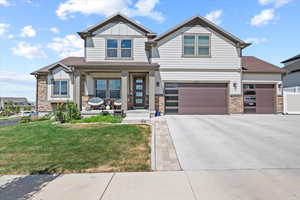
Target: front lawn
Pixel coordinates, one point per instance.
(42, 147)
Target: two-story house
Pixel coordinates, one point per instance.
(194, 68)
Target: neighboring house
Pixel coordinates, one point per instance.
(17, 101)
(291, 77)
(194, 68)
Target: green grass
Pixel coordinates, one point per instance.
(100, 118)
(42, 147)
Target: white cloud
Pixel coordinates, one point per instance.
(29, 51)
(28, 31)
(254, 40)
(276, 3)
(4, 3)
(263, 18)
(70, 45)
(3, 29)
(10, 36)
(54, 30)
(145, 8)
(215, 16)
(17, 85)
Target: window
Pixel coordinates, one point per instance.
(189, 45)
(196, 45)
(119, 48)
(108, 88)
(203, 45)
(112, 48)
(101, 88)
(125, 48)
(114, 89)
(60, 88)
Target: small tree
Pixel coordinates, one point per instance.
(9, 108)
(17, 109)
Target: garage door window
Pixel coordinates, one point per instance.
(249, 98)
(171, 97)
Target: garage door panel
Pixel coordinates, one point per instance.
(265, 101)
(202, 100)
(263, 95)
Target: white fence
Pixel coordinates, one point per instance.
(291, 98)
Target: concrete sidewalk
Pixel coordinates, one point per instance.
(190, 185)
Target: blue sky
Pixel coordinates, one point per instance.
(35, 33)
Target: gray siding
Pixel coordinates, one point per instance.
(96, 47)
(292, 80)
(224, 55)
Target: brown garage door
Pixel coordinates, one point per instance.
(259, 98)
(199, 98)
(265, 99)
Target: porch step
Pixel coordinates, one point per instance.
(137, 116)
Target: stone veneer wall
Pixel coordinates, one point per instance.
(42, 89)
(160, 103)
(236, 104)
(279, 104)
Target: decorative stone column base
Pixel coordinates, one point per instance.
(84, 102)
(42, 91)
(236, 104)
(160, 103)
(279, 104)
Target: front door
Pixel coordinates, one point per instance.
(139, 91)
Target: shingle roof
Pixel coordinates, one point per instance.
(291, 59)
(253, 64)
(80, 62)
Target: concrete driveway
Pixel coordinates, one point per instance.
(236, 141)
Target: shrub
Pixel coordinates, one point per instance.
(27, 108)
(67, 112)
(45, 117)
(25, 119)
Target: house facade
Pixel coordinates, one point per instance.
(194, 68)
(291, 77)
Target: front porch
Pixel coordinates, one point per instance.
(135, 89)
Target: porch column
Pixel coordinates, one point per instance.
(152, 91)
(124, 89)
(77, 89)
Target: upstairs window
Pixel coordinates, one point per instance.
(60, 88)
(203, 45)
(112, 48)
(119, 48)
(196, 45)
(189, 45)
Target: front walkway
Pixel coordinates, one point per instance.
(192, 185)
(165, 154)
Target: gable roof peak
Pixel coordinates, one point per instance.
(209, 24)
(91, 29)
